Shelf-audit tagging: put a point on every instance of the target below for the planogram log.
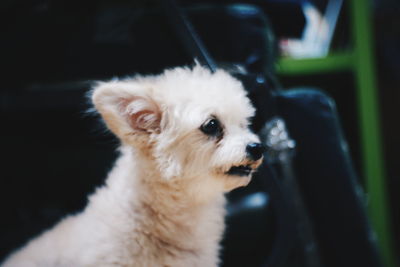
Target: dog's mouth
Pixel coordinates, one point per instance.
(242, 170)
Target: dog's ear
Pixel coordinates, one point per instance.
(127, 108)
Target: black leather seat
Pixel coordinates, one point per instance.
(329, 187)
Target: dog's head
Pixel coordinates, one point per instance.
(192, 123)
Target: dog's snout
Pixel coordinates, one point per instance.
(255, 151)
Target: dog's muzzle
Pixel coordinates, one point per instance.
(254, 154)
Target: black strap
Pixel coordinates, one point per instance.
(185, 31)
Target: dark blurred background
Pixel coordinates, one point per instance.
(55, 153)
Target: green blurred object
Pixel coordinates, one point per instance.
(307, 66)
(361, 62)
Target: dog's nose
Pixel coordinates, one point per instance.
(255, 151)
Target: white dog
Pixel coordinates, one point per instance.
(184, 142)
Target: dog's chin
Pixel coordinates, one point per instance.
(234, 181)
(238, 175)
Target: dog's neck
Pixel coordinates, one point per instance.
(163, 210)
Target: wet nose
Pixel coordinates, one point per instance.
(255, 151)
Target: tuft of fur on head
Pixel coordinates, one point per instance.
(160, 117)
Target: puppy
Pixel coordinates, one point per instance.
(184, 142)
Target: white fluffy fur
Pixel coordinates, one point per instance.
(163, 202)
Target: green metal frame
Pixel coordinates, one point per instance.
(361, 61)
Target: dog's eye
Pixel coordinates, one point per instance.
(212, 128)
